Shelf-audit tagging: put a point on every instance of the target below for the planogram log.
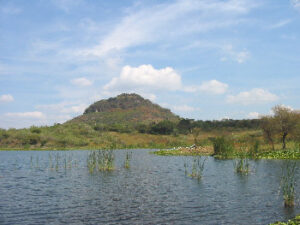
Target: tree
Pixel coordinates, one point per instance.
(196, 132)
(163, 127)
(268, 126)
(184, 126)
(285, 120)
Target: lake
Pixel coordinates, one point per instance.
(155, 190)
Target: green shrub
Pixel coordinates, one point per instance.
(35, 130)
(254, 149)
(222, 146)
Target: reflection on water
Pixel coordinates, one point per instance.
(154, 190)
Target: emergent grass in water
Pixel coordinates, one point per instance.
(197, 168)
(102, 160)
(242, 166)
(127, 160)
(288, 183)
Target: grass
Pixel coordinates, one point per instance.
(197, 168)
(127, 160)
(101, 160)
(56, 161)
(242, 166)
(288, 183)
(223, 147)
(223, 144)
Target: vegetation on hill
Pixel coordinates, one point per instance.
(130, 121)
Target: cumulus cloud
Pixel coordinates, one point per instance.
(145, 78)
(35, 114)
(81, 81)
(213, 87)
(254, 96)
(6, 98)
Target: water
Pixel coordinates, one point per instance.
(154, 190)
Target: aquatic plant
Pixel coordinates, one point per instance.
(281, 154)
(91, 161)
(288, 183)
(185, 165)
(295, 221)
(127, 160)
(106, 160)
(103, 160)
(242, 166)
(197, 168)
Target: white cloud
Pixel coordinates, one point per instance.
(35, 114)
(82, 82)
(281, 23)
(6, 98)
(238, 56)
(296, 4)
(165, 21)
(64, 107)
(213, 87)
(254, 96)
(253, 115)
(145, 78)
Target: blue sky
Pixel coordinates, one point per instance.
(203, 59)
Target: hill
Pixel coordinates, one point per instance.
(125, 110)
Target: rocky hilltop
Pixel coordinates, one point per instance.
(126, 110)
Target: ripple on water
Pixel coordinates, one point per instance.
(153, 191)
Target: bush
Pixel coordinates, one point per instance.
(163, 127)
(35, 130)
(222, 146)
(254, 149)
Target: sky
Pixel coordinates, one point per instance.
(203, 59)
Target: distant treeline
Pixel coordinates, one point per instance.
(184, 126)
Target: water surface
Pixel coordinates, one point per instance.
(154, 190)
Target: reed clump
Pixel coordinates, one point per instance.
(242, 166)
(127, 160)
(197, 168)
(101, 160)
(288, 183)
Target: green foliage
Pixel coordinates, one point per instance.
(242, 166)
(223, 147)
(35, 130)
(163, 127)
(293, 153)
(185, 126)
(254, 149)
(295, 221)
(197, 168)
(101, 160)
(288, 183)
(127, 160)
